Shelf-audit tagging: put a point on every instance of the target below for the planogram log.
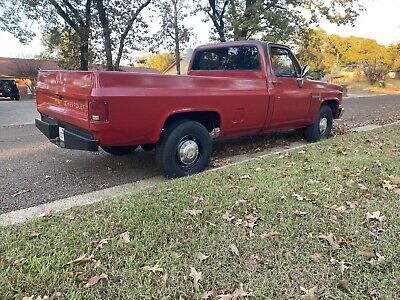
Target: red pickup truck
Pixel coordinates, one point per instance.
(232, 89)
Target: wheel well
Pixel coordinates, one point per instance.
(333, 104)
(208, 119)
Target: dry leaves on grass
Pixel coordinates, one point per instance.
(270, 234)
(201, 256)
(56, 295)
(125, 237)
(95, 279)
(156, 268)
(84, 259)
(196, 277)
(194, 212)
(309, 293)
(234, 249)
(34, 235)
(330, 238)
(238, 293)
(376, 215)
(249, 221)
(101, 243)
(227, 216)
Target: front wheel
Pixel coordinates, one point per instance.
(322, 127)
(184, 149)
(119, 150)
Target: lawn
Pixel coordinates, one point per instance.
(321, 222)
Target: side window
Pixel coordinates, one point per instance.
(227, 59)
(282, 62)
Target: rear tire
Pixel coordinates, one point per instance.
(184, 149)
(119, 150)
(322, 127)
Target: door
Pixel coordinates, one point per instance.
(290, 100)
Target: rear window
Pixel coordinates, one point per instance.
(227, 59)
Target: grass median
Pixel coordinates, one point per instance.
(321, 222)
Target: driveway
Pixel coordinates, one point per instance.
(34, 171)
(17, 112)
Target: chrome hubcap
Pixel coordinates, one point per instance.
(323, 125)
(188, 152)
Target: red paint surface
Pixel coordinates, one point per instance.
(248, 102)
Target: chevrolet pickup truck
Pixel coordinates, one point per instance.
(232, 89)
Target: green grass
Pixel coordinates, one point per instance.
(161, 229)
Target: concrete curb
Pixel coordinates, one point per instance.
(22, 215)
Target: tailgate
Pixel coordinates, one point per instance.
(64, 96)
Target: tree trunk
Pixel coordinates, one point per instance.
(106, 32)
(176, 38)
(84, 48)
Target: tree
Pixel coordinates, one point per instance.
(160, 61)
(76, 14)
(117, 19)
(173, 32)
(276, 20)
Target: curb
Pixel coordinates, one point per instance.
(22, 215)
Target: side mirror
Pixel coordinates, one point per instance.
(305, 71)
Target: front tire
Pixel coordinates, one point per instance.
(184, 149)
(322, 127)
(119, 150)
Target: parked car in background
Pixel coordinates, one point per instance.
(8, 89)
(232, 89)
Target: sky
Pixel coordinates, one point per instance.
(380, 21)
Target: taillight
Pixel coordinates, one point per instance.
(98, 111)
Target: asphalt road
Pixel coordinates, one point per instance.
(17, 112)
(34, 171)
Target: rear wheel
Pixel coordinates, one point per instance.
(184, 149)
(119, 150)
(322, 127)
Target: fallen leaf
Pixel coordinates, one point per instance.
(343, 266)
(164, 280)
(194, 212)
(240, 292)
(84, 259)
(212, 294)
(298, 197)
(196, 277)
(234, 249)
(316, 256)
(299, 213)
(102, 243)
(367, 252)
(245, 177)
(362, 187)
(176, 255)
(395, 179)
(386, 184)
(125, 237)
(344, 284)
(376, 215)
(330, 238)
(228, 216)
(154, 269)
(94, 280)
(379, 259)
(200, 256)
(270, 234)
(373, 293)
(34, 234)
(309, 294)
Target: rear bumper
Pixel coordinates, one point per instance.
(71, 138)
